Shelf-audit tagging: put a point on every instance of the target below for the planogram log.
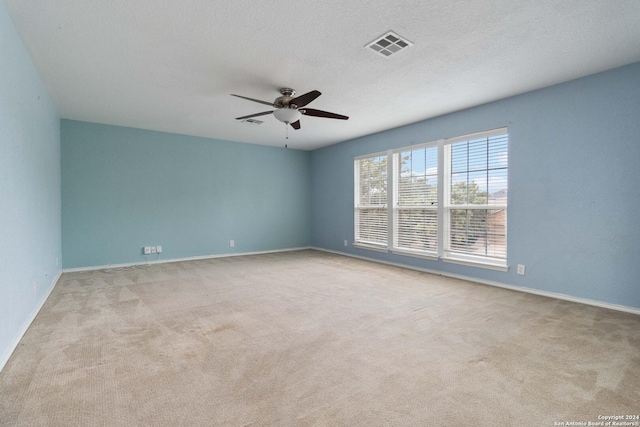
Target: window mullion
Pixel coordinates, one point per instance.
(444, 173)
(390, 199)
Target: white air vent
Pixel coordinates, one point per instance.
(253, 122)
(388, 44)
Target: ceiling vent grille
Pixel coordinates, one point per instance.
(252, 122)
(389, 44)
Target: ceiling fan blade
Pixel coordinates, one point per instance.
(254, 100)
(295, 125)
(320, 113)
(254, 115)
(303, 100)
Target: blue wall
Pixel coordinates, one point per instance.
(574, 186)
(30, 254)
(125, 188)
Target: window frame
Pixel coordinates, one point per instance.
(443, 209)
(449, 254)
(358, 207)
(396, 207)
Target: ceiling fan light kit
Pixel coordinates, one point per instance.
(289, 108)
(287, 115)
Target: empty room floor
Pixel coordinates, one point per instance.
(308, 338)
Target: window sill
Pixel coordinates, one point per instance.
(370, 247)
(416, 254)
(495, 265)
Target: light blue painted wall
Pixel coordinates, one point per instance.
(125, 188)
(29, 189)
(574, 190)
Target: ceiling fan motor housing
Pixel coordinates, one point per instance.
(287, 96)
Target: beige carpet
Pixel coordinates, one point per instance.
(312, 339)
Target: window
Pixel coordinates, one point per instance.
(475, 208)
(371, 201)
(416, 200)
(448, 198)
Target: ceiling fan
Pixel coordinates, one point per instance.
(289, 108)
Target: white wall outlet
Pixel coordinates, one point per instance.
(153, 249)
(158, 249)
(521, 269)
(146, 250)
(346, 243)
(232, 243)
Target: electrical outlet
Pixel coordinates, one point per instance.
(232, 243)
(346, 243)
(153, 249)
(146, 250)
(158, 249)
(521, 269)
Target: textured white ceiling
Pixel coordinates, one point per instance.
(170, 65)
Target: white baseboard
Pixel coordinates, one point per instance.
(616, 307)
(163, 261)
(27, 323)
